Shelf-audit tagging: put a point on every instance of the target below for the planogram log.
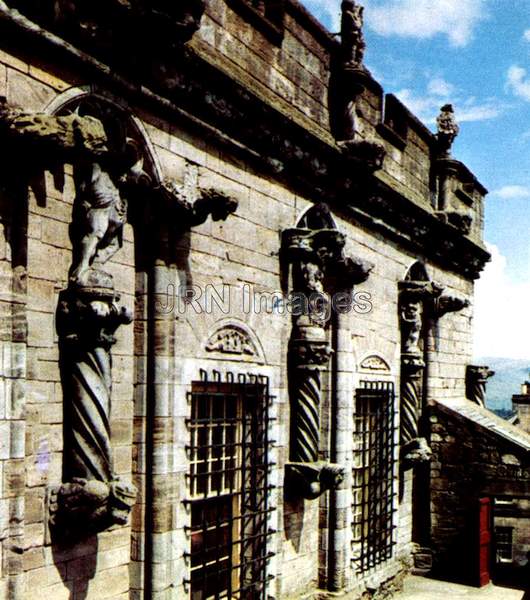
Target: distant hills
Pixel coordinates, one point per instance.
(510, 373)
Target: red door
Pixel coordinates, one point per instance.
(485, 537)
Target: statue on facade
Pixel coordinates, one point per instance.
(351, 34)
(448, 130)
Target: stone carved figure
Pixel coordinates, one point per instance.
(86, 323)
(314, 255)
(476, 380)
(352, 37)
(420, 304)
(448, 129)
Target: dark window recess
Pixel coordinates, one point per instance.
(373, 474)
(229, 488)
(265, 15)
(504, 544)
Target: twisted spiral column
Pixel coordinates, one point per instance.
(306, 409)
(412, 369)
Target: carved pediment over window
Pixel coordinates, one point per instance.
(375, 363)
(232, 339)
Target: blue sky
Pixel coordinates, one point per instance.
(476, 55)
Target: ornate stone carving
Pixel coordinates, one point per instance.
(311, 480)
(374, 363)
(231, 340)
(446, 303)
(366, 153)
(448, 129)
(50, 138)
(414, 298)
(87, 318)
(318, 263)
(476, 380)
(196, 205)
(351, 34)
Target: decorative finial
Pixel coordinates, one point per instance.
(448, 129)
(351, 33)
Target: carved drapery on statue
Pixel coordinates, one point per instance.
(476, 380)
(421, 303)
(110, 169)
(317, 260)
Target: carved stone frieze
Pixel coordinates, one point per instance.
(374, 363)
(231, 340)
(476, 380)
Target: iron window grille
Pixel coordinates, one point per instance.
(504, 544)
(373, 474)
(229, 488)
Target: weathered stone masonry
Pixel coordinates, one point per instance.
(215, 128)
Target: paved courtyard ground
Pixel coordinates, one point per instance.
(421, 588)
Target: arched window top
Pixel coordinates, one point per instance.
(317, 217)
(417, 272)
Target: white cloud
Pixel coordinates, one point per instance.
(501, 315)
(439, 87)
(424, 19)
(427, 106)
(510, 192)
(518, 83)
(526, 35)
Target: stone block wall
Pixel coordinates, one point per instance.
(467, 465)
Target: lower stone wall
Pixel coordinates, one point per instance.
(466, 465)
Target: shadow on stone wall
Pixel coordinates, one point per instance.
(76, 562)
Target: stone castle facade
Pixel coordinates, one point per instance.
(235, 277)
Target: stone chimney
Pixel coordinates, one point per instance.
(521, 404)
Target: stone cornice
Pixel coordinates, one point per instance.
(202, 96)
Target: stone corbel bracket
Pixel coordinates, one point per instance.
(364, 153)
(50, 139)
(311, 480)
(193, 211)
(446, 303)
(476, 380)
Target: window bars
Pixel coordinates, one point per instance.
(373, 474)
(229, 487)
(504, 544)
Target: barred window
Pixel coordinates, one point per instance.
(504, 543)
(229, 489)
(373, 474)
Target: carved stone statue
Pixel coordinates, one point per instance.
(315, 255)
(448, 129)
(351, 33)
